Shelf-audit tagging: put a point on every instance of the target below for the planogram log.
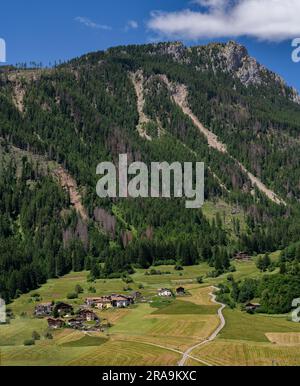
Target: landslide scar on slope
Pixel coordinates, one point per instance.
(179, 94)
(137, 79)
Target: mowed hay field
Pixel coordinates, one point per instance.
(254, 340)
(177, 326)
(122, 353)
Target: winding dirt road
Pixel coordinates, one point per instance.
(186, 354)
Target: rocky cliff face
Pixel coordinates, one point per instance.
(232, 58)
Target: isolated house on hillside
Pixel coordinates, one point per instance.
(252, 306)
(242, 256)
(180, 291)
(43, 309)
(164, 292)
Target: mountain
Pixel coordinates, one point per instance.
(158, 102)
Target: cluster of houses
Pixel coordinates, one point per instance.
(61, 315)
(112, 301)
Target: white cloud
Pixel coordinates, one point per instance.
(131, 24)
(91, 24)
(273, 20)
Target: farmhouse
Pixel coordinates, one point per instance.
(120, 301)
(88, 315)
(252, 306)
(76, 323)
(55, 323)
(164, 292)
(242, 256)
(91, 302)
(63, 309)
(43, 309)
(180, 291)
(103, 303)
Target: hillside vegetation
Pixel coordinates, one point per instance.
(161, 102)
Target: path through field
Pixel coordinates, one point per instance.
(186, 354)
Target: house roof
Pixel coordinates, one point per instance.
(63, 305)
(100, 299)
(54, 321)
(44, 304)
(252, 305)
(84, 312)
(119, 298)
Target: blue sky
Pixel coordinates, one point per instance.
(49, 31)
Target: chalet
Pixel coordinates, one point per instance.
(44, 309)
(120, 301)
(165, 292)
(76, 323)
(55, 323)
(88, 315)
(101, 303)
(104, 304)
(91, 302)
(242, 256)
(180, 291)
(63, 309)
(252, 306)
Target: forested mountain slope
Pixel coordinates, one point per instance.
(127, 100)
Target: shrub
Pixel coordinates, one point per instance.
(72, 295)
(48, 335)
(29, 342)
(78, 289)
(178, 268)
(36, 336)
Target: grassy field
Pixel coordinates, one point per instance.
(246, 353)
(150, 333)
(256, 326)
(254, 340)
